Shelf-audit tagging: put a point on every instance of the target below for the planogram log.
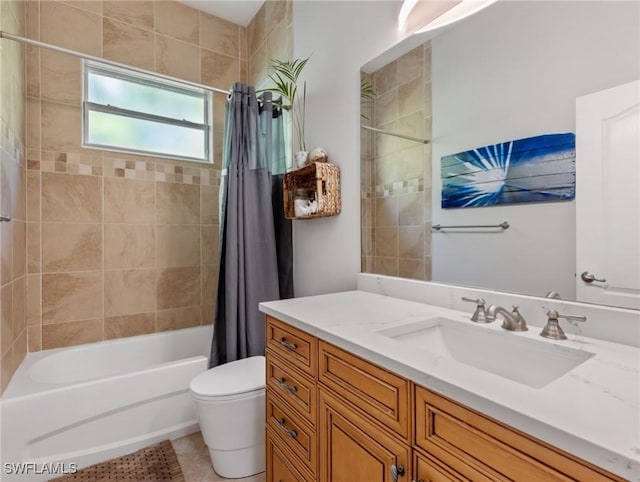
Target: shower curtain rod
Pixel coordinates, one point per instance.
(75, 53)
(381, 131)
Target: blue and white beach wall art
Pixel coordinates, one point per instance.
(535, 169)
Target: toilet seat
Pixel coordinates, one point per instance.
(238, 379)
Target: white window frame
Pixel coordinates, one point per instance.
(89, 66)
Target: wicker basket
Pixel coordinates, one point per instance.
(321, 180)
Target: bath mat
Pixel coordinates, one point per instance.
(157, 463)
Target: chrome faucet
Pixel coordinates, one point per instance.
(512, 321)
(480, 315)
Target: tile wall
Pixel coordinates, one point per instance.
(269, 36)
(396, 173)
(119, 245)
(13, 333)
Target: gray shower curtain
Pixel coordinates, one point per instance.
(255, 251)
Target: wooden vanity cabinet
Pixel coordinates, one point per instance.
(335, 417)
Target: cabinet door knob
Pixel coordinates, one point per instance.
(396, 471)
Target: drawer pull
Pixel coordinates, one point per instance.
(286, 344)
(396, 471)
(286, 386)
(288, 431)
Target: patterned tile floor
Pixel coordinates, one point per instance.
(195, 463)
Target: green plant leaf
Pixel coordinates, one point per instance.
(367, 91)
(284, 75)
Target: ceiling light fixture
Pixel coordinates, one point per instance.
(418, 16)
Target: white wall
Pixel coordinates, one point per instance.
(340, 37)
(514, 71)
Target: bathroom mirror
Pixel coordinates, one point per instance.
(511, 71)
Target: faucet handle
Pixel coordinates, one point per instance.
(480, 315)
(552, 329)
(556, 315)
(516, 313)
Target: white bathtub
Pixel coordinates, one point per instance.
(86, 404)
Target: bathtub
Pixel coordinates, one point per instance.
(86, 404)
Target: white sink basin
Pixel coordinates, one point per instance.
(531, 362)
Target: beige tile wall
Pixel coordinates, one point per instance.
(396, 173)
(119, 245)
(367, 186)
(269, 36)
(13, 333)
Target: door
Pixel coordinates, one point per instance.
(608, 196)
(354, 450)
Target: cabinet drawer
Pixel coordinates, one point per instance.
(292, 430)
(292, 386)
(282, 465)
(296, 346)
(471, 443)
(380, 394)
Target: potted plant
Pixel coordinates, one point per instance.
(284, 75)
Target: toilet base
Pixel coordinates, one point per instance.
(235, 464)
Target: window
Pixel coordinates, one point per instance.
(127, 111)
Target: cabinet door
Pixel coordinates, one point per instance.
(355, 450)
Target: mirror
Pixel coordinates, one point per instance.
(511, 71)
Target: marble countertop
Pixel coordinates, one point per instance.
(593, 411)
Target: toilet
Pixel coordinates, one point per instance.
(230, 403)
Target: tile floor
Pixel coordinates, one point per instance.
(195, 463)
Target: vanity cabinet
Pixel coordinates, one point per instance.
(335, 417)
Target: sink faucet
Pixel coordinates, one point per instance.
(552, 329)
(480, 315)
(512, 321)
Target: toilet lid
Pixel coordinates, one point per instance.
(240, 376)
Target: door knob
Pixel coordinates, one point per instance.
(590, 278)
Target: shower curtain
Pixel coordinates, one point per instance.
(255, 250)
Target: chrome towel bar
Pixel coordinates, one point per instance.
(503, 225)
(395, 134)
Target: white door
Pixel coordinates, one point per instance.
(608, 196)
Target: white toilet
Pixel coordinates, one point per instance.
(230, 403)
